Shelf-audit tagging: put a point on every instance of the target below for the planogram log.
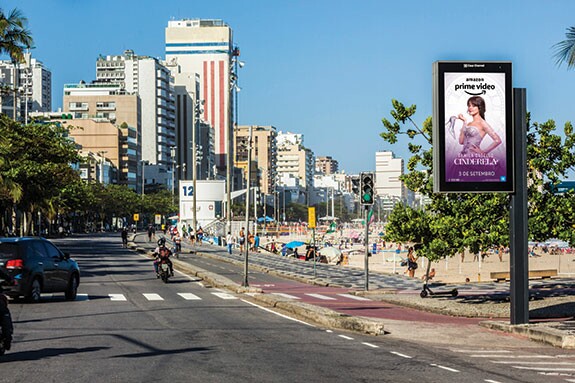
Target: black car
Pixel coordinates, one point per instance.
(38, 266)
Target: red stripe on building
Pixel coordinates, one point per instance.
(205, 94)
(221, 103)
(212, 94)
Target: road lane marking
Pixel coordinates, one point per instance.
(481, 351)
(117, 297)
(319, 296)
(189, 296)
(543, 368)
(514, 356)
(153, 297)
(345, 337)
(370, 345)
(357, 298)
(531, 362)
(224, 296)
(445, 368)
(402, 355)
(82, 297)
(492, 381)
(278, 314)
(286, 295)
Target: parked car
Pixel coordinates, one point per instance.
(38, 266)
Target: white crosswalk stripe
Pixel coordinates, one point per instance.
(286, 296)
(117, 297)
(323, 297)
(189, 296)
(355, 297)
(224, 296)
(153, 297)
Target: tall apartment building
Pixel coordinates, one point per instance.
(112, 122)
(36, 83)
(205, 47)
(326, 165)
(388, 169)
(264, 154)
(295, 160)
(152, 82)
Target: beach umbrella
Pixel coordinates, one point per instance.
(330, 252)
(294, 244)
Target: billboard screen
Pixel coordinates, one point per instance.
(472, 127)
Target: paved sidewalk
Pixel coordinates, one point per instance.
(485, 300)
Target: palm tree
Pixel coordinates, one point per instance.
(565, 50)
(15, 38)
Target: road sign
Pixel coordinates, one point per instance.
(374, 248)
(311, 217)
(136, 217)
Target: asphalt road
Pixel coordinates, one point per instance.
(127, 326)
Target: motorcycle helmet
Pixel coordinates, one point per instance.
(162, 241)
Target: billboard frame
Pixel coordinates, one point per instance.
(475, 74)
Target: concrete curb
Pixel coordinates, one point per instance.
(534, 332)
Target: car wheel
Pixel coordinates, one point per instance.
(35, 291)
(72, 290)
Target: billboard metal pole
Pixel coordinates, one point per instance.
(518, 230)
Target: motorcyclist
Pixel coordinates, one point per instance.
(162, 253)
(5, 317)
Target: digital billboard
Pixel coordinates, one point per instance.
(472, 127)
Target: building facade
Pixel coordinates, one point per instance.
(264, 154)
(388, 186)
(34, 82)
(295, 160)
(152, 82)
(326, 165)
(205, 47)
(108, 111)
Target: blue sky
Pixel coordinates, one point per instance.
(325, 68)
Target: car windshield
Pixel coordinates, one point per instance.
(8, 250)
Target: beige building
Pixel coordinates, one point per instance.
(388, 169)
(326, 165)
(111, 123)
(264, 154)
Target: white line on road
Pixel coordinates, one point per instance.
(82, 297)
(330, 331)
(531, 362)
(278, 314)
(481, 351)
(319, 296)
(117, 297)
(514, 356)
(492, 381)
(357, 298)
(543, 368)
(286, 295)
(400, 354)
(189, 296)
(370, 345)
(345, 337)
(445, 368)
(153, 297)
(224, 296)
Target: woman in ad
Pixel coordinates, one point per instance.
(472, 134)
(474, 159)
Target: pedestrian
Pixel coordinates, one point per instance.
(124, 237)
(229, 242)
(178, 241)
(284, 250)
(242, 239)
(256, 242)
(150, 233)
(199, 235)
(411, 262)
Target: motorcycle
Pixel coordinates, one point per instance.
(163, 270)
(5, 323)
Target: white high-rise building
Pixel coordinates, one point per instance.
(388, 169)
(295, 161)
(35, 83)
(152, 82)
(206, 47)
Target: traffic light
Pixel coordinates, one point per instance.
(355, 185)
(367, 188)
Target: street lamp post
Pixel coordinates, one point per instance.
(143, 177)
(247, 219)
(234, 89)
(197, 113)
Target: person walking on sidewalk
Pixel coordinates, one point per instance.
(229, 242)
(124, 237)
(242, 239)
